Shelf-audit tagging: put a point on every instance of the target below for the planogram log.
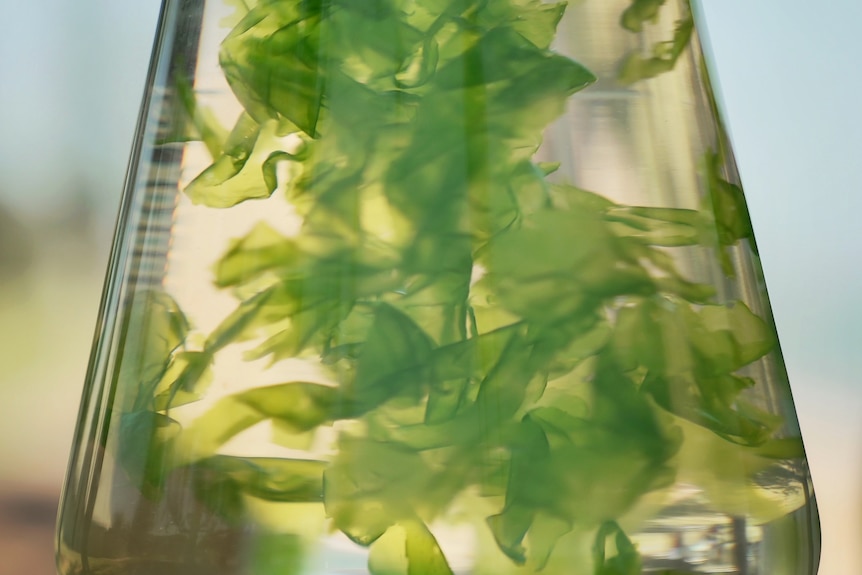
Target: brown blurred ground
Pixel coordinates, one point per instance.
(27, 531)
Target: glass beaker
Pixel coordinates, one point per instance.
(433, 287)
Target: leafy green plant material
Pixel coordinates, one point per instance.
(481, 329)
(626, 561)
(636, 66)
(640, 11)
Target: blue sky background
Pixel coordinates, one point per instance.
(790, 79)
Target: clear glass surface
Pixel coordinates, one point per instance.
(433, 287)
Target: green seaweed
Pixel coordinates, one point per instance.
(492, 332)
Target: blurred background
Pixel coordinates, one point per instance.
(71, 78)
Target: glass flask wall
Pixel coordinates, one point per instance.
(424, 286)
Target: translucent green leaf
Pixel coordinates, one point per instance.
(561, 263)
(203, 120)
(657, 226)
(562, 427)
(239, 174)
(730, 337)
(301, 406)
(538, 22)
(387, 555)
(185, 380)
(239, 323)
(620, 408)
(729, 208)
(273, 64)
(373, 9)
(298, 406)
(463, 428)
(639, 12)
(444, 400)
(529, 188)
(394, 346)
(589, 338)
(373, 485)
(566, 197)
(713, 403)
(147, 450)
(262, 249)
(276, 554)
(158, 328)
(636, 67)
(241, 8)
(659, 337)
(372, 48)
(292, 340)
(626, 561)
(509, 529)
(419, 67)
(782, 448)
(271, 479)
(501, 394)
(544, 533)
(424, 556)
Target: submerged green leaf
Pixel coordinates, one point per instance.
(147, 453)
(373, 485)
(263, 249)
(732, 222)
(626, 561)
(277, 554)
(151, 348)
(185, 380)
(636, 67)
(424, 556)
(394, 348)
(273, 64)
(271, 479)
(295, 406)
(640, 11)
(240, 173)
(202, 120)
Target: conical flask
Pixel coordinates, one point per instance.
(434, 287)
